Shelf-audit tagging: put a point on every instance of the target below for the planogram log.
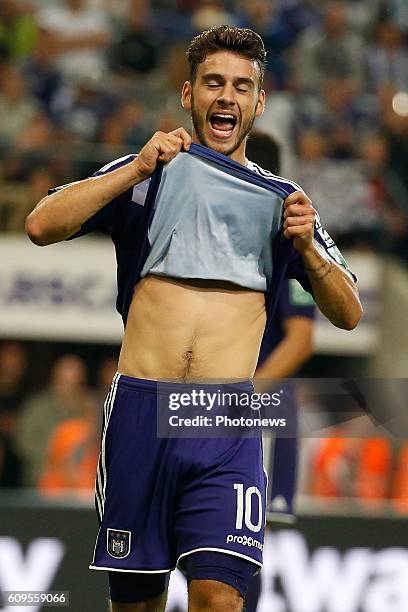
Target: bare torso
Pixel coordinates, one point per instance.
(192, 330)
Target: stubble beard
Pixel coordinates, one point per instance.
(198, 124)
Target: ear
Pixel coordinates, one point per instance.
(260, 105)
(186, 96)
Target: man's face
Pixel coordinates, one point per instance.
(224, 102)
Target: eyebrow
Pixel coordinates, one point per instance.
(219, 77)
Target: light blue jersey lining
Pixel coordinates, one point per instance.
(213, 226)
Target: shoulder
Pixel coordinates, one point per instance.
(115, 164)
(139, 191)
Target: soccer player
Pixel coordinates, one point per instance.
(198, 502)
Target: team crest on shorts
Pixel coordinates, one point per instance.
(118, 543)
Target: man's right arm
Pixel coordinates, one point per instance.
(60, 215)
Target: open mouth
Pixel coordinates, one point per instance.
(222, 125)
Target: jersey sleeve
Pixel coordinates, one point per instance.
(328, 249)
(110, 218)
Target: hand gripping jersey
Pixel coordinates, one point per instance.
(226, 218)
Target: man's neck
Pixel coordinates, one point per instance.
(238, 155)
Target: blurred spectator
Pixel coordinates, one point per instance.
(348, 215)
(209, 13)
(18, 29)
(81, 34)
(73, 447)
(126, 126)
(20, 108)
(400, 481)
(136, 51)
(44, 80)
(331, 50)
(364, 14)
(66, 397)
(89, 106)
(277, 121)
(279, 24)
(116, 9)
(168, 82)
(373, 471)
(13, 366)
(297, 15)
(398, 10)
(340, 113)
(262, 16)
(389, 195)
(37, 135)
(387, 58)
(353, 467)
(19, 198)
(331, 473)
(394, 122)
(72, 455)
(106, 372)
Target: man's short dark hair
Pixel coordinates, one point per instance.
(243, 41)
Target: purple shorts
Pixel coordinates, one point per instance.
(161, 499)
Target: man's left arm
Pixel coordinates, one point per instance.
(334, 290)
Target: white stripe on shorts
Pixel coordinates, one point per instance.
(98, 484)
(100, 493)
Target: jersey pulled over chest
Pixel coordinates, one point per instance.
(212, 225)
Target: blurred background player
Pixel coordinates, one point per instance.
(286, 346)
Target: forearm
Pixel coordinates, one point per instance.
(289, 355)
(281, 363)
(287, 358)
(61, 214)
(334, 291)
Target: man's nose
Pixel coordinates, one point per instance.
(227, 95)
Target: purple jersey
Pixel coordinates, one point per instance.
(128, 217)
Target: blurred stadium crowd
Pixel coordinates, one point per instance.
(83, 82)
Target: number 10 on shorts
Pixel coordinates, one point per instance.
(245, 500)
